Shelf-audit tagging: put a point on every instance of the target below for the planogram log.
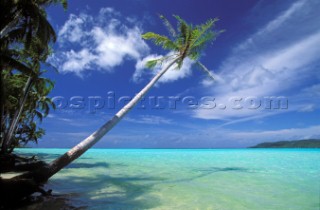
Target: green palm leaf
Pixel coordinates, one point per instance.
(170, 28)
(163, 41)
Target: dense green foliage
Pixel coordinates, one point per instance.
(25, 39)
(309, 143)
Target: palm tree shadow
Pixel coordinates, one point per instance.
(46, 156)
(223, 169)
(111, 192)
(88, 165)
(132, 192)
(204, 172)
(102, 191)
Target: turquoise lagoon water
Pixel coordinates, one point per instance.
(217, 179)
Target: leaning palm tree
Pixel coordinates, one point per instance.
(188, 41)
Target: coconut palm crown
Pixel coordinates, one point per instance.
(185, 41)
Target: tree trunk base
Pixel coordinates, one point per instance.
(15, 190)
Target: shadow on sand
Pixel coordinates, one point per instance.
(111, 192)
(96, 191)
(102, 191)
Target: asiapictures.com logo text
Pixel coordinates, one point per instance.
(112, 101)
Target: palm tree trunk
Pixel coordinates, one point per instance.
(87, 143)
(8, 138)
(1, 107)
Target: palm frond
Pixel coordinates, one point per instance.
(14, 35)
(204, 30)
(46, 33)
(184, 29)
(197, 48)
(39, 115)
(163, 41)
(45, 3)
(38, 23)
(205, 69)
(170, 28)
(16, 65)
(194, 55)
(152, 63)
(204, 39)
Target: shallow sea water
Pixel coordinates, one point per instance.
(217, 179)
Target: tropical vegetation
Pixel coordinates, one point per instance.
(25, 44)
(305, 143)
(25, 39)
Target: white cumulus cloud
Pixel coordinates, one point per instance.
(99, 42)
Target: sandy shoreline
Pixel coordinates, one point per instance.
(53, 202)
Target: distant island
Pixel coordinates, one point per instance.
(308, 143)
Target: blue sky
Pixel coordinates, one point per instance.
(270, 49)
